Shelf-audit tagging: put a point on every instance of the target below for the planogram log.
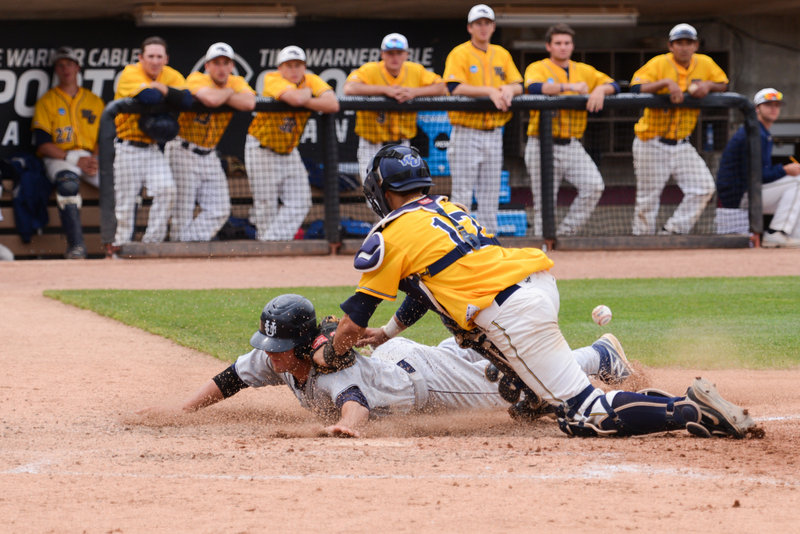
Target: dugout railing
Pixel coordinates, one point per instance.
(327, 157)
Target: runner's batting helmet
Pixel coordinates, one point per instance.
(395, 168)
(287, 322)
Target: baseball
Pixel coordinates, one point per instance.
(601, 315)
(692, 88)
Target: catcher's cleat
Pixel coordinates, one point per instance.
(719, 417)
(614, 366)
(530, 409)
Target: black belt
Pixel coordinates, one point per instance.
(504, 294)
(405, 366)
(137, 144)
(198, 151)
(562, 140)
(671, 142)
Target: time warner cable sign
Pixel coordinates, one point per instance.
(26, 72)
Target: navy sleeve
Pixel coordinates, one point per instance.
(353, 393)
(535, 88)
(411, 310)
(635, 88)
(451, 86)
(769, 172)
(179, 98)
(228, 382)
(41, 137)
(149, 96)
(615, 85)
(733, 171)
(360, 308)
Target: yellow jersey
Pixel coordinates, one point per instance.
(206, 129)
(72, 122)
(471, 65)
(420, 236)
(281, 131)
(566, 122)
(133, 81)
(673, 123)
(382, 126)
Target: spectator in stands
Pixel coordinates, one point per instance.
(199, 177)
(661, 147)
(478, 68)
(274, 167)
(393, 77)
(559, 75)
(139, 159)
(65, 123)
(780, 193)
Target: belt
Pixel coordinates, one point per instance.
(137, 144)
(504, 294)
(198, 151)
(562, 140)
(671, 142)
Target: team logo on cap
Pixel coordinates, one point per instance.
(270, 328)
(410, 160)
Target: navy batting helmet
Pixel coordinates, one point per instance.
(161, 127)
(287, 322)
(395, 168)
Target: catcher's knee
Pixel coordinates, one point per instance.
(67, 189)
(624, 413)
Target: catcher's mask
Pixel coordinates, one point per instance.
(395, 168)
(287, 322)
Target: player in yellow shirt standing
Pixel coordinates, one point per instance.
(559, 75)
(478, 68)
(139, 158)
(661, 147)
(444, 260)
(393, 77)
(65, 125)
(274, 167)
(197, 169)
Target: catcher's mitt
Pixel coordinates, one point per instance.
(333, 362)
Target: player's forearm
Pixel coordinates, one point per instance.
(205, 396)
(245, 101)
(324, 103)
(364, 89)
(52, 150)
(214, 97)
(464, 89)
(716, 87)
(436, 89)
(346, 335)
(353, 416)
(654, 87)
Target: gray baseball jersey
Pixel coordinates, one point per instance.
(400, 376)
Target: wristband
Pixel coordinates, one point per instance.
(392, 328)
(72, 157)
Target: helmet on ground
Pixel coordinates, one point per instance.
(287, 322)
(395, 168)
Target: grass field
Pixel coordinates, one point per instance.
(687, 322)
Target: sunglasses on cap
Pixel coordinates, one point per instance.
(772, 96)
(394, 44)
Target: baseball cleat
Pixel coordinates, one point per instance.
(719, 417)
(614, 366)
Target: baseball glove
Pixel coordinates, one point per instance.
(161, 127)
(333, 362)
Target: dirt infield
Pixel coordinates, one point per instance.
(74, 457)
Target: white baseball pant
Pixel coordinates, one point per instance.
(525, 329)
(781, 198)
(571, 163)
(653, 163)
(476, 161)
(54, 166)
(135, 167)
(274, 176)
(200, 180)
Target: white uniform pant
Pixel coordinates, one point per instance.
(525, 329)
(135, 167)
(654, 162)
(366, 150)
(571, 163)
(54, 166)
(274, 176)
(781, 198)
(200, 180)
(476, 161)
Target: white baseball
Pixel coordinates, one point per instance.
(601, 315)
(692, 88)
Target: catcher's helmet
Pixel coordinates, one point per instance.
(395, 168)
(287, 322)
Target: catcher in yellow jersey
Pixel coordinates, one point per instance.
(139, 158)
(274, 166)
(478, 68)
(65, 124)
(661, 147)
(446, 261)
(195, 165)
(554, 76)
(394, 77)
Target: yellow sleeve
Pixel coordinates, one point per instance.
(317, 84)
(172, 78)
(384, 281)
(454, 66)
(197, 81)
(131, 82)
(715, 72)
(239, 85)
(275, 86)
(512, 73)
(362, 74)
(595, 78)
(649, 72)
(428, 77)
(535, 73)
